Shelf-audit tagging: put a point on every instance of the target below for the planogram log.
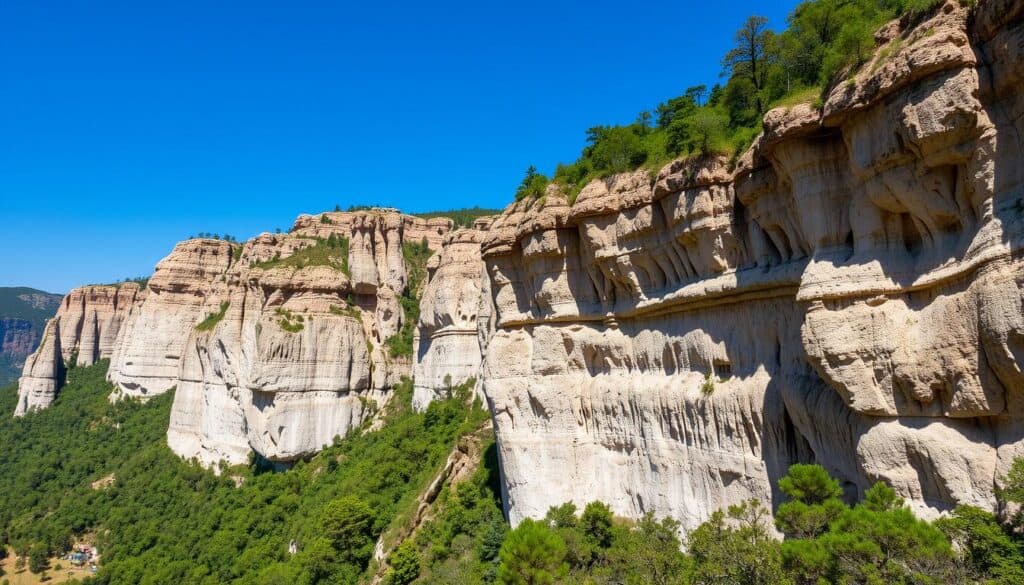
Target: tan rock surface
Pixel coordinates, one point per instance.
(851, 294)
(85, 329)
(447, 348)
(299, 356)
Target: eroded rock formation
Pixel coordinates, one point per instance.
(297, 356)
(447, 349)
(848, 294)
(85, 330)
(270, 351)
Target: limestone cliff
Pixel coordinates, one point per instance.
(293, 352)
(848, 293)
(275, 345)
(85, 330)
(447, 349)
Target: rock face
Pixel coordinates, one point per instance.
(276, 346)
(849, 294)
(297, 356)
(447, 348)
(84, 330)
(146, 358)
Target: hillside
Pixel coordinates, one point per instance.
(23, 312)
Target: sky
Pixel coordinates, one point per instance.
(126, 127)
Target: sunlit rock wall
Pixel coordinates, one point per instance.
(848, 293)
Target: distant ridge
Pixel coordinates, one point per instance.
(23, 312)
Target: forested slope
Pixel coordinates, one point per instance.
(164, 520)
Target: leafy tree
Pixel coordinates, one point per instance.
(736, 547)
(615, 149)
(703, 132)
(563, 516)
(348, 524)
(405, 565)
(696, 94)
(643, 121)
(597, 522)
(38, 558)
(749, 59)
(813, 501)
(532, 555)
(649, 553)
(1014, 488)
(988, 548)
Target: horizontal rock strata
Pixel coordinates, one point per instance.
(848, 293)
(85, 330)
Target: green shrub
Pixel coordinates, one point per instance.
(289, 321)
(532, 186)
(330, 251)
(416, 255)
(212, 319)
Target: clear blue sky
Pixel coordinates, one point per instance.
(127, 126)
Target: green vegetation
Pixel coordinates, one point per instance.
(164, 520)
(461, 217)
(707, 387)
(826, 41)
(827, 541)
(207, 235)
(416, 255)
(25, 304)
(533, 185)
(350, 310)
(289, 321)
(212, 319)
(331, 251)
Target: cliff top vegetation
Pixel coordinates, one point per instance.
(824, 41)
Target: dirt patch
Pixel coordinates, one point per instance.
(25, 577)
(104, 482)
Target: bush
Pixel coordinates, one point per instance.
(532, 186)
(405, 565)
(212, 319)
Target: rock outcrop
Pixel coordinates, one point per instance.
(275, 346)
(84, 331)
(296, 354)
(447, 349)
(146, 358)
(849, 293)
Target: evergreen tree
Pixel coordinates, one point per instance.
(532, 555)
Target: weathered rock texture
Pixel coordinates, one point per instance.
(267, 354)
(849, 294)
(298, 357)
(84, 330)
(447, 348)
